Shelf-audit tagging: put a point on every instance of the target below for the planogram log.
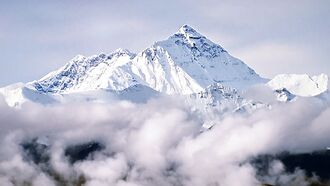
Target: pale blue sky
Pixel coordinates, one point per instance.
(272, 37)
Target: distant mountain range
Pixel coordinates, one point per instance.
(186, 64)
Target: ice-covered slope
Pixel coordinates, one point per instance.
(185, 63)
(300, 84)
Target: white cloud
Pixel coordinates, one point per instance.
(160, 144)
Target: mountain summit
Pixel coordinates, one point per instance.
(189, 32)
(185, 63)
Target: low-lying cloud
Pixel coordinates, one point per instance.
(157, 143)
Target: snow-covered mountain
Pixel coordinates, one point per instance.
(185, 64)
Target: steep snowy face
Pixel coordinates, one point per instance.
(114, 73)
(300, 84)
(187, 62)
(89, 73)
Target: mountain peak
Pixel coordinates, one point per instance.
(123, 52)
(189, 32)
(78, 57)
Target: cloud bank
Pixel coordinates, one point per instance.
(155, 143)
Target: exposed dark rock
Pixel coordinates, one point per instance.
(314, 163)
(36, 152)
(82, 151)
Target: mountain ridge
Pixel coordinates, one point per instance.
(185, 63)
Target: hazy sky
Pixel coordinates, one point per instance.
(272, 37)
